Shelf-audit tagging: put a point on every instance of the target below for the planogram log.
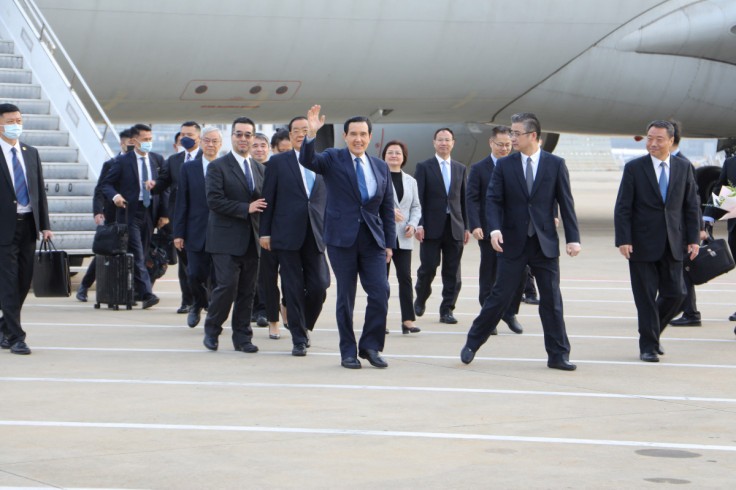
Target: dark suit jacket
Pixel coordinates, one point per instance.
(230, 226)
(100, 204)
(479, 177)
(123, 179)
(727, 177)
(289, 209)
(36, 193)
(434, 198)
(192, 212)
(168, 178)
(510, 206)
(345, 210)
(647, 223)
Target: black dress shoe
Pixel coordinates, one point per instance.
(4, 343)
(150, 300)
(493, 332)
(247, 347)
(530, 300)
(513, 324)
(21, 348)
(350, 363)
(262, 321)
(299, 350)
(405, 329)
(562, 365)
(733, 318)
(82, 293)
(184, 309)
(448, 318)
(373, 357)
(211, 342)
(686, 321)
(467, 355)
(418, 309)
(649, 357)
(195, 314)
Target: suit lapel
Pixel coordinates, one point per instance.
(6, 172)
(352, 176)
(293, 165)
(237, 171)
(437, 170)
(380, 178)
(517, 170)
(651, 175)
(675, 175)
(542, 169)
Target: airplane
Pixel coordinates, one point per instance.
(582, 66)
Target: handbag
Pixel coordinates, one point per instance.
(111, 239)
(713, 259)
(157, 261)
(51, 278)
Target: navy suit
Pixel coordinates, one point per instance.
(232, 241)
(444, 231)
(190, 224)
(479, 177)
(123, 179)
(18, 235)
(294, 221)
(357, 235)
(509, 208)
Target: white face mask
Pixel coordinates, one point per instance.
(13, 131)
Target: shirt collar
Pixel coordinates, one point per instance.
(440, 160)
(353, 157)
(7, 146)
(535, 157)
(656, 161)
(239, 158)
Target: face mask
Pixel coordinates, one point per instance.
(146, 146)
(13, 131)
(187, 143)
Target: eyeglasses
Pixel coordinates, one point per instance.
(395, 152)
(239, 135)
(208, 141)
(298, 132)
(516, 134)
(502, 145)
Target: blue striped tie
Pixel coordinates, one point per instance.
(21, 189)
(361, 181)
(663, 181)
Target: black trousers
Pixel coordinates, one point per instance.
(487, 274)
(449, 251)
(268, 284)
(236, 286)
(16, 271)
(199, 273)
(89, 277)
(657, 288)
(140, 232)
(547, 272)
(402, 261)
(689, 303)
(187, 298)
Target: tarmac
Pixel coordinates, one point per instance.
(132, 399)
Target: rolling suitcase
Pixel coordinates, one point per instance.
(114, 280)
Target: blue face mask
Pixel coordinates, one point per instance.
(146, 146)
(13, 131)
(187, 143)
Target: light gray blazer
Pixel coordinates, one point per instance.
(410, 208)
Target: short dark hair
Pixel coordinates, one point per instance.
(403, 150)
(136, 129)
(177, 136)
(530, 122)
(278, 137)
(243, 120)
(192, 124)
(443, 129)
(663, 124)
(678, 130)
(496, 130)
(358, 119)
(125, 133)
(5, 108)
(297, 118)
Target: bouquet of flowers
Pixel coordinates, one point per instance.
(726, 200)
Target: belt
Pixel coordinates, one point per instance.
(22, 216)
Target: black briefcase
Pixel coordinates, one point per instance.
(713, 259)
(111, 239)
(51, 277)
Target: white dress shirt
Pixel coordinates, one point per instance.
(6, 147)
(370, 179)
(242, 161)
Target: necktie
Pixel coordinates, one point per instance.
(663, 181)
(189, 157)
(144, 179)
(361, 180)
(248, 176)
(529, 185)
(309, 177)
(21, 190)
(446, 176)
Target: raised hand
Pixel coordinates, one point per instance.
(314, 120)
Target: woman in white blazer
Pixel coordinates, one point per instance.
(407, 211)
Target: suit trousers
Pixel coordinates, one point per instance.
(199, 273)
(268, 284)
(367, 260)
(402, 261)
(236, 283)
(140, 232)
(689, 303)
(89, 277)
(450, 251)
(16, 271)
(305, 278)
(487, 277)
(547, 272)
(657, 288)
(187, 297)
